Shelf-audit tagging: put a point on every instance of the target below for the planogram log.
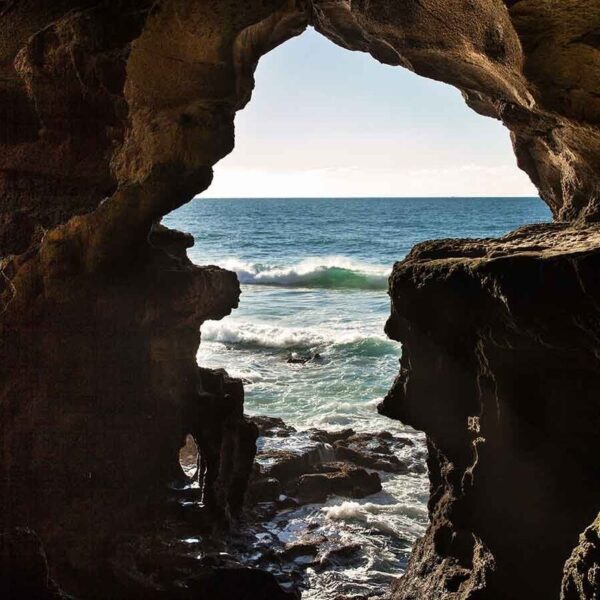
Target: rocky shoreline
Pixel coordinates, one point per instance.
(294, 469)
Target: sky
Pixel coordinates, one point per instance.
(324, 121)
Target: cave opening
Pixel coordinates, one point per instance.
(116, 114)
(311, 211)
(189, 459)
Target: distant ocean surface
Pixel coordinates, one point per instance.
(314, 280)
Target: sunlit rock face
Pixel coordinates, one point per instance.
(113, 114)
(582, 571)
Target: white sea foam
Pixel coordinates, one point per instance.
(373, 515)
(318, 272)
(250, 333)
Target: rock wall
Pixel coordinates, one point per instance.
(113, 114)
(117, 113)
(500, 368)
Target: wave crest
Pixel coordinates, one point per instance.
(249, 334)
(334, 272)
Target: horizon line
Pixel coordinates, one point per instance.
(453, 197)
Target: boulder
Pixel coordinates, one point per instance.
(337, 479)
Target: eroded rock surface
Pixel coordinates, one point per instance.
(113, 114)
(581, 579)
(499, 367)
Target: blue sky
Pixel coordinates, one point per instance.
(324, 121)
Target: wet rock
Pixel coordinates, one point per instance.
(284, 502)
(305, 547)
(272, 426)
(344, 552)
(265, 489)
(330, 437)
(337, 479)
(295, 359)
(339, 555)
(371, 460)
(287, 464)
(372, 450)
(380, 441)
(226, 441)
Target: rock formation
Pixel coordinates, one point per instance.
(499, 367)
(582, 571)
(112, 114)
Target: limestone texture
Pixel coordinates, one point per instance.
(112, 114)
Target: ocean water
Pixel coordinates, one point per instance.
(314, 274)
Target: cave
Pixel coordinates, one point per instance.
(113, 115)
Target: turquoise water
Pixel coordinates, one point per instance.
(314, 275)
(314, 279)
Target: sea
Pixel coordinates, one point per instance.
(313, 275)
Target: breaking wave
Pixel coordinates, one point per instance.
(333, 272)
(257, 335)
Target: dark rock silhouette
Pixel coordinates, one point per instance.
(113, 114)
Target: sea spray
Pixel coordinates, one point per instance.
(353, 511)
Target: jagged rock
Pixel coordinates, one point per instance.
(173, 241)
(340, 555)
(281, 470)
(226, 441)
(272, 426)
(337, 479)
(295, 359)
(159, 566)
(581, 579)
(264, 489)
(304, 547)
(288, 464)
(502, 380)
(373, 451)
(391, 464)
(113, 115)
(330, 437)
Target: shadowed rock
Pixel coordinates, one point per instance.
(339, 480)
(500, 345)
(113, 115)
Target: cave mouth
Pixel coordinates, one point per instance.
(307, 339)
(189, 459)
(115, 126)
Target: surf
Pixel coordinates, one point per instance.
(330, 272)
(249, 334)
